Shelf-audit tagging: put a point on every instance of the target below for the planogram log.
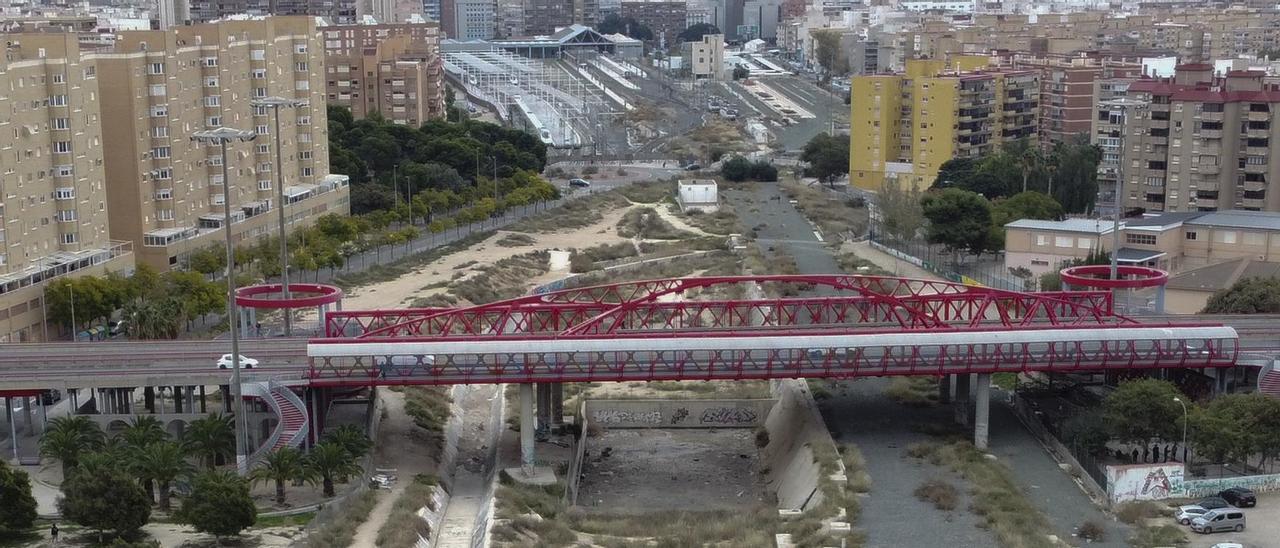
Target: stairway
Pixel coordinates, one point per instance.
(291, 428)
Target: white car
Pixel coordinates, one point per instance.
(1228, 545)
(1189, 512)
(245, 362)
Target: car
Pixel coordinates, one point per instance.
(580, 183)
(1185, 514)
(692, 167)
(115, 329)
(1219, 520)
(1213, 503)
(383, 480)
(1227, 545)
(1239, 497)
(245, 362)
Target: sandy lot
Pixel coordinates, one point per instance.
(651, 470)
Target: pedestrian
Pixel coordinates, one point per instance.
(53, 533)
(259, 327)
(1135, 456)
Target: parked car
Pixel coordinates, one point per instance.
(1227, 545)
(1189, 512)
(1219, 520)
(580, 183)
(245, 362)
(692, 167)
(1239, 497)
(1213, 503)
(115, 329)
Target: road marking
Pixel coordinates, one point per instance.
(818, 235)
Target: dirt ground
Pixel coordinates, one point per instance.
(1261, 531)
(651, 470)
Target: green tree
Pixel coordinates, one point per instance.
(68, 438)
(695, 32)
(1025, 205)
(219, 504)
(1074, 168)
(143, 430)
(1247, 296)
(331, 462)
(1087, 430)
(101, 496)
(736, 169)
(351, 438)
(827, 51)
(17, 505)
(763, 171)
(827, 157)
(614, 24)
(1141, 410)
(161, 462)
(279, 466)
(209, 438)
(958, 219)
(901, 216)
(208, 261)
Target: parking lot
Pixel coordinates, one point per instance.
(1262, 531)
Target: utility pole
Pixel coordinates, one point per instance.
(275, 103)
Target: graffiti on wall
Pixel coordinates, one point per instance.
(681, 414)
(735, 416)
(1145, 482)
(1261, 483)
(620, 416)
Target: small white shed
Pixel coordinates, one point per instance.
(698, 194)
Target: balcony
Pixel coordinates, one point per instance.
(1258, 116)
(1256, 151)
(1258, 133)
(1210, 134)
(1211, 116)
(1208, 169)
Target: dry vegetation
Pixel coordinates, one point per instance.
(713, 140)
(939, 493)
(515, 240)
(835, 216)
(339, 532)
(644, 223)
(504, 279)
(403, 526)
(913, 391)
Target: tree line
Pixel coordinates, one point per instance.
(111, 483)
(155, 306)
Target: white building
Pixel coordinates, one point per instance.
(698, 195)
(959, 6)
(705, 58)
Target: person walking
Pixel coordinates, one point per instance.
(53, 533)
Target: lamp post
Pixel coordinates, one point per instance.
(275, 103)
(1123, 104)
(221, 137)
(1184, 427)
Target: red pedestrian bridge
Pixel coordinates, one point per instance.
(722, 328)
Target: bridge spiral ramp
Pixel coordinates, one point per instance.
(292, 425)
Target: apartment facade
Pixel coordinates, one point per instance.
(53, 203)
(335, 11)
(469, 19)
(165, 192)
(664, 17)
(916, 120)
(706, 57)
(1195, 142)
(393, 69)
(1067, 89)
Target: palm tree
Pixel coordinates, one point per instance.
(280, 466)
(210, 437)
(331, 462)
(68, 438)
(161, 462)
(351, 438)
(143, 431)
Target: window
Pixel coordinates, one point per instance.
(304, 155)
(259, 74)
(62, 147)
(64, 193)
(306, 172)
(259, 92)
(59, 78)
(61, 123)
(213, 101)
(160, 111)
(156, 68)
(300, 48)
(58, 101)
(160, 132)
(258, 54)
(304, 137)
(304, 120)
(164, 194)
(164, 214)
(66, 215)
(264, 184)
(63, 171)
(214, 121)
(1063, 241)
(218, 199)
(160, 152)
(262, 129)
(1140, 239)
(1084, 243)
(215, 160)
(301, 85)
(1191, 235)
(90, 72)
(1041, 239)
(264, 167)
(211, 82)
(164, 173)
(300, 66)
(259, 111)
(158, 90)
(1254, 238)
(262, 149)
(1225, 236)
(210, 61)
(69, 238)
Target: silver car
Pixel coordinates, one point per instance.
(1226, 519)
(1189, 512)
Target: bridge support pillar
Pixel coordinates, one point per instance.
(557, 403)
(544, 410)
(982, 417)
(961, 401)
(26, 414)
(149, 399)
(527, 428)
(944, 389)
(13, 429)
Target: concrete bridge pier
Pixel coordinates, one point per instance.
(544, 411)
(944, 389)
(982, 417)
(527, 429)
(557, 403)
(13, 428)
(961, 401)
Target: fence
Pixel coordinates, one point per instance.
(1073, 454)
(938, 261)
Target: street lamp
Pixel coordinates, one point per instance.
(275, 103)
(1184, 427)
(221, 137)
(1122, 104)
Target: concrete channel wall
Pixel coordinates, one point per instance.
(678, 413)
(796, 427)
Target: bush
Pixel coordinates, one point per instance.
(736, 169)
(1134, 513)
(762, 437)
(1092, 531)
(941, 494)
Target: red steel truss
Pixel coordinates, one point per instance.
(677, 330)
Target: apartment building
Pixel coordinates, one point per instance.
(706, 57)
(53, 204)
(166, 193)
(665, 18)
(395, 70)
(1194, 142)
(1067, 85)
(335, 11)
(543, 17)
(915, 121)
(469, 19)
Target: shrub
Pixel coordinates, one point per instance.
(941, 494)
(1092, 531)
(1134, 513)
